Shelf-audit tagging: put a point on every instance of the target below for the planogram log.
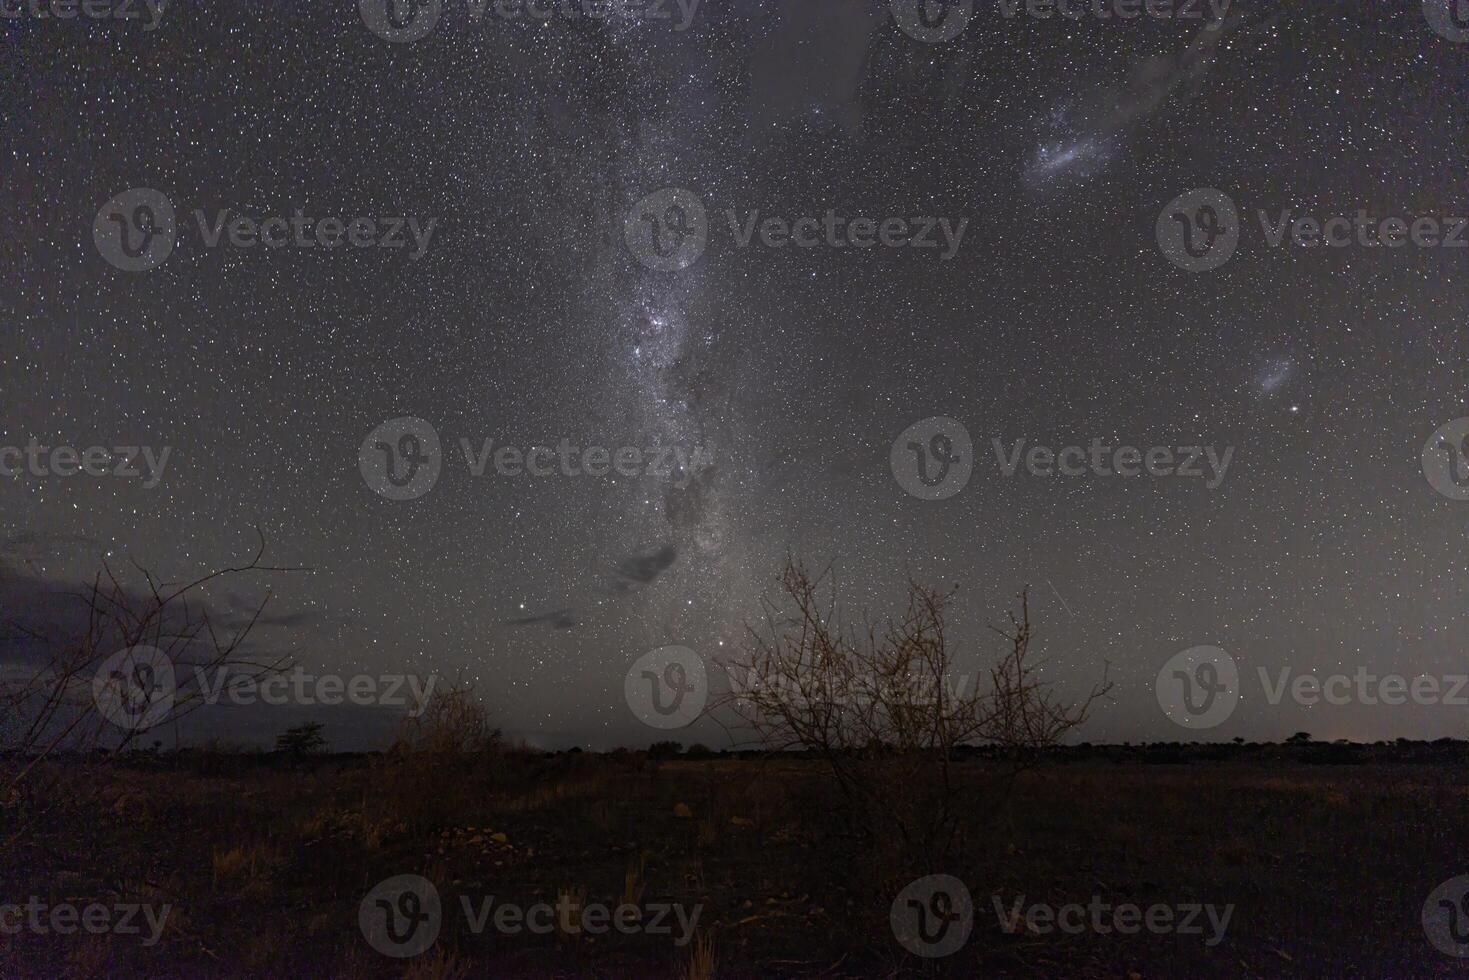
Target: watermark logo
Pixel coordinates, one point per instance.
(1199, 687)
(1446, 917)
(242, 686)
(837, 231)
(401, 459)
(1446, 459)
(933, 459)
(1450, 18)
(1199, 230)
(1364, 687)
(406, 21)
(124, 462)
(401, 21)
(87, 9)
(933, 916)
(842, 691)
(136, 230)
(932, 21)
(401, 916)
(1099, 459)
(937, 21)
(1074, 10)
(1104, 918)
(667, 688)
(1362, 229)
(300, 230)
(135, 688)
(97, 919)
(572, 917)
(667, 230)
(674, 463)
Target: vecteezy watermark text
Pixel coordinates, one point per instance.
(1102, 459)
(405, 21)
(936, 21)
(303, 231)
(401, 459)
(934, 915)
(567, 460)
(1213, 10)
(857, 691)
(137, 230)
(402, 916)
(1102, 918)
(573, 918)
(125, 462)
(97, 919)
(836, 231)
(1201, 686)
(668, 230)
(933, 459)
(86, 10)
(242, 686)
(1201, 229)
(137, 688)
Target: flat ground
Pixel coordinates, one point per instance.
(265, 862)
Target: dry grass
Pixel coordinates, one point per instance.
(265, 869)
(437, 964)
(245, 869)
(634, 882)
(701, 959)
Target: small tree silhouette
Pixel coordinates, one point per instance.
(876, 704)
(665, 750)
(54, 707)
(301, 740)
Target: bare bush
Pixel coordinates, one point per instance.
(881, 706)
(53, 707)
(452, 724)
(436, 767)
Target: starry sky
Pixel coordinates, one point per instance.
(530, 318)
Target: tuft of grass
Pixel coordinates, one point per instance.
(246, 869)
(441, 965)
(236, 864)
(634, 883)
(701, 962)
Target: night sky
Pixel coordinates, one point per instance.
(534, 314)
